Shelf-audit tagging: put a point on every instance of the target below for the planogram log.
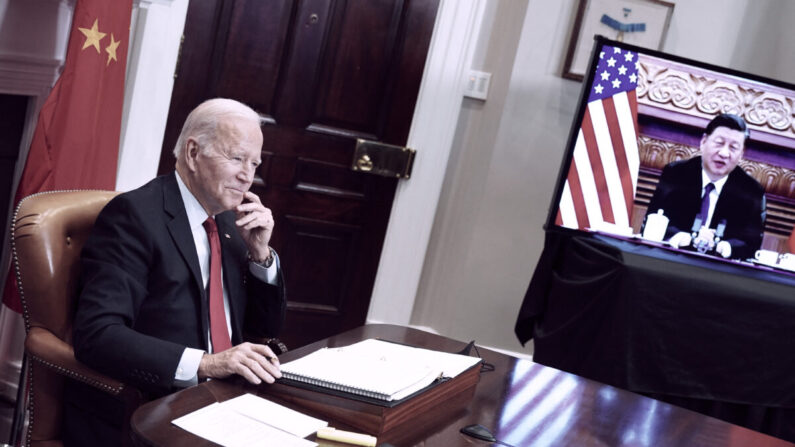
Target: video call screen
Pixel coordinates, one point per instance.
(643, 118)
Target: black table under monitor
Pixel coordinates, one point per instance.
(707, 334)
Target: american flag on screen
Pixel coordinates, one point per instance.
(600, 186)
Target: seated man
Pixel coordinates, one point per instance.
(712, 189)
(176, 271)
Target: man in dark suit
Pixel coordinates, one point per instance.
(714, 190)
(153, 310)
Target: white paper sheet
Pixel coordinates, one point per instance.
(275, 415)
(249, 420)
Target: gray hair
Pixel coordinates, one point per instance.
(202, 121)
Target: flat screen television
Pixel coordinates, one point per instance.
(640, 155)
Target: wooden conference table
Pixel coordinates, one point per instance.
(522, 402)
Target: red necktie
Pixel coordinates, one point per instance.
(219, 334)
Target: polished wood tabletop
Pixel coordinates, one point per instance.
(521, 402)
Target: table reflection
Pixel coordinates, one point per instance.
(539, 405)
(547, 407)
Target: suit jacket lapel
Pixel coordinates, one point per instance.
(724, 199)
(693, 190)
(179, 228)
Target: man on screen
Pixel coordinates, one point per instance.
(711, 203)
(176, 271)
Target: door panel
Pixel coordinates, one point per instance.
(321, 73)
(255, 78)
(361, 55)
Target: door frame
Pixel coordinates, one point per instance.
(455, 35)
(453, 42)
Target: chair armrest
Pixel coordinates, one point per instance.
(51, 351)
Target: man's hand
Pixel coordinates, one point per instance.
(680, 239)
(705, 240)
(255, 223)
(252, 361)
(724, 249)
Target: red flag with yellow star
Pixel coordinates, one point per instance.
(76, 142)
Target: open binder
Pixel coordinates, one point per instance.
(342, 383)
(376, 369)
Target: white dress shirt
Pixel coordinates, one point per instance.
(188, 366)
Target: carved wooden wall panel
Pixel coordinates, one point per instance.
(703, 93)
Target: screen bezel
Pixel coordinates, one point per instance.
(599, 42)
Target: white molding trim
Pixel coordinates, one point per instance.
(146, 3)
(12, 336)
(26, 75)
(519, 355)
(456, 33)
(155, 41)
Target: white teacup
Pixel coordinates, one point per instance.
(768, 257)
(656, 224)
(787, 260)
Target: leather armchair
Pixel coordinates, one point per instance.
(47, 236)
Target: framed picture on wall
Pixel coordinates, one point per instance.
(638, 22)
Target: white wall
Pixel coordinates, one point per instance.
(770, 27)
(488, 235)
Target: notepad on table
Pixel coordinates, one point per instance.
(376, 368)
(250, 421)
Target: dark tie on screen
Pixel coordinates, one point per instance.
(704, 213)
(219, 334)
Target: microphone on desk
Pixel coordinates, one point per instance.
(699, 245)
(467, 348)
(696, 226)
(484, 365)
(720, 230)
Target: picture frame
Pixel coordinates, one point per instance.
(639, 22)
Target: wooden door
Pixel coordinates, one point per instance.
(322, 73)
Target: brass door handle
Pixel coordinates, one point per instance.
(387, 160)
(364, 163)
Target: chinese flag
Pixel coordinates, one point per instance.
(76, 142)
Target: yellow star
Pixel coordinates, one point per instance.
(111, 49)
(93, 36)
